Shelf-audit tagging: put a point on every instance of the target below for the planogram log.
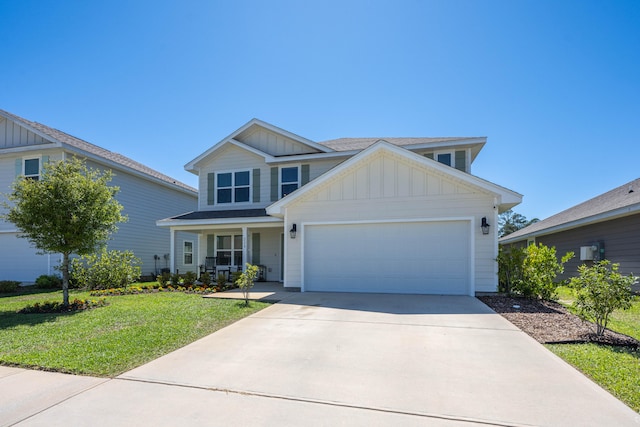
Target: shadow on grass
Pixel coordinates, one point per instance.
(9, 319)
(28, 290)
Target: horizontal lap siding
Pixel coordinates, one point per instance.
(621, 239)
(144, 203)
(20, 261)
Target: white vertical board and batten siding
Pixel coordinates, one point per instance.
(392, 188)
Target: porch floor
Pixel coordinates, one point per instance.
(261, 291)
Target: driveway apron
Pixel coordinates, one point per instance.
(353, 359)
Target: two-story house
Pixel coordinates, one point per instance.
(145, 194)
(392, 215)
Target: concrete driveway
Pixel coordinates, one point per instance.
(350, 359)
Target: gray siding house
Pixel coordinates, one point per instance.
(145, 194)
(391, 215)
(605, 227)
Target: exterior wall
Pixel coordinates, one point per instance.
(394, 188)
(144, 202)
(13, 135)
(621, 244)
(273, 143)
(180, 238)
(232, 158)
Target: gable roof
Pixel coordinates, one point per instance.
(508, 198)
(93, 151)
(620, 201)
(191, 166)
(346, 144)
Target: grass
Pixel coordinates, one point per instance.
(615, 369)
(130, 331)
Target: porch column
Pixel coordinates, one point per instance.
(244, 247)
(172, 250)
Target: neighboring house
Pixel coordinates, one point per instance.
(145, 194)
(605, 227)
(394, 215)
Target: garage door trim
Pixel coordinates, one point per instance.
(469, 220)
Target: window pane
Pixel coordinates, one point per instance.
(237, 242)
(188, 259)
(237, 258)
(188, 247)
(224, 180)
(31, 167)
(224, 196)
(289, 174)
(242, 194)
(445, 158)
(242, 178)
(224, 258)
(288, 188)
(223, 242)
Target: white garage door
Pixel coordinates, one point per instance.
(413, 257)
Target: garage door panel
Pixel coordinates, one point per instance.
(416, 257)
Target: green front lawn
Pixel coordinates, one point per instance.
(615, 369)
(106, 341)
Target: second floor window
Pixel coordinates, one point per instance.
(233, 187)
(289, 180)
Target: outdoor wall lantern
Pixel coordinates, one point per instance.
(484, 225)
(293, 231)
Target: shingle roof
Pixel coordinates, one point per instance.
(624, 196)
(347, 144)
(237, 213)
(72, 141)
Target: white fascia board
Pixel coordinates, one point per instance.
(212, 223)
(190, 166)
(315, 156)
(605, 216)
(450, 143)
(504, 195)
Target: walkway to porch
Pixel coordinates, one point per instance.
(261, 291)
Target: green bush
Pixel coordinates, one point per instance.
(205, 278)
(189, 278)
(510, 268)
(106, 269)
(175, 279)
(600, 290)
(221, 280)
(58, 307)
(163, 279)
(8, 286)
(49, 281)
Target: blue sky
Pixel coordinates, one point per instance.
(554, 85)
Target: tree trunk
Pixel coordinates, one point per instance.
(65, 279)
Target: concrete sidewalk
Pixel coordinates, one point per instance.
(344, 359)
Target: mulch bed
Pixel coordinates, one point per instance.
(549, 322)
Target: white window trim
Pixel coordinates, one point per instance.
(233, 248)
(233, 187)
(24, 160)
(450, 152)
(280, 183)
(184, 252)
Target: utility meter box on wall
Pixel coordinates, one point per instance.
(595, 252)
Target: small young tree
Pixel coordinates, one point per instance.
(540, 268)
(601, 289)
(245, 281)
(71, 209)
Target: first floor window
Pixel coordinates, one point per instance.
(31, 168)
(233, 187)
(188, 253)
(229, 250)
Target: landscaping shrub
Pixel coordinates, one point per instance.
(176, 280)
(600, 290)
(163, 279)
(221, 280)
(58, 307)
(510, 268)
(205, 278)
(106, 269)
(49, 281)
(8, 286)
(189, 278)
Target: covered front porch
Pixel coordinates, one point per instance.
(211, 242)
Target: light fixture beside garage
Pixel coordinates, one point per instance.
(484, 225)
(293, 231)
